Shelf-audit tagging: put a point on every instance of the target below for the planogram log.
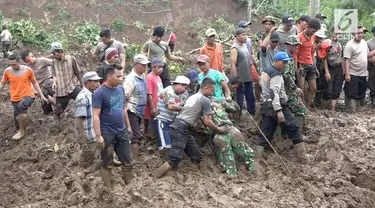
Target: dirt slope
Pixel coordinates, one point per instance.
(340, 175)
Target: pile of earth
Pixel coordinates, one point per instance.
(41, 170)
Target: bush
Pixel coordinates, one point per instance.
(131, 51)
(118, 25)
(88, 32)
(27, 31)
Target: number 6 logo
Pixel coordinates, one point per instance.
(345, 21)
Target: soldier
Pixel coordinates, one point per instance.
(232, 142)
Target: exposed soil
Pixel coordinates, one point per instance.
(41, 170)
(340, 173)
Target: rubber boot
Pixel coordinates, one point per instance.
(106, 174)
(116, 163)
(135, 151)
(361, 103)
(259, 151)
(373, 102)
(22, 120)
(299, 122)
(347, 103)
(127, 174)
(162, 170)
(300, 150)
(352, 105)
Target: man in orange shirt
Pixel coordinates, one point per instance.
(213, 50)
(304, 57)
(22, 96)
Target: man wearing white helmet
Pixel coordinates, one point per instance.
(170, 103)
(66, 78)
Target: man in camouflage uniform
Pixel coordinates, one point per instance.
(295, 100)
(231, 143)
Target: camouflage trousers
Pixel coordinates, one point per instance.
(230, 145)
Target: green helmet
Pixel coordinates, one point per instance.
(293, 40)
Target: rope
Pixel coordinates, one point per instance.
(278, 156)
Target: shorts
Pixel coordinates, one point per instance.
(162, 134)
(21, 107)
(135, 123)
(254, 74)
(118, 143)
(62, 102)
(47, 91)
(171, 46)
(308, 72)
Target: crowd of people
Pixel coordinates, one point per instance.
(281, 74)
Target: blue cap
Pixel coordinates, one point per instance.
(192, 74)
(157, 62)
(282, 56)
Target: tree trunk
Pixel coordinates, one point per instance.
(249, 9)
(314, 7)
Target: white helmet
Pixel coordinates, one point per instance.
(56, 46)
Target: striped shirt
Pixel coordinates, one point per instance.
(84, 111)
(168, 96)
(65, 71)
(136, 93)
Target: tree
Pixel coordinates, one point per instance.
(314, 7)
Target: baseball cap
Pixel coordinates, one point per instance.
(320, 16)
(181, 80)
(157, 62)
(287, 19)
(274, 37)
(293, 40)
(210, 32)
(239, 31)
(203, 59)
(243, 23)
(303, 17)
(282, 56)
(373, 29)
(192, 74)
(140, 59)
(268, 19)
(320, 34)
(364, 30)
(90, 76)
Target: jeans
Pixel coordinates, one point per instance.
(118, 143)
(247, 91)
(269, 124)
(135, 123)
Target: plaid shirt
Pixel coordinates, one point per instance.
(136, 93)
(65, 71)
(84, 111)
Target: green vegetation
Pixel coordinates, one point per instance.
(140, 25)
(28, 31)
(63, 14)
(88, 32)
(49, 6)
(131, 51)
(23, 12)
(118, 25)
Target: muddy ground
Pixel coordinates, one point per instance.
(341, 173)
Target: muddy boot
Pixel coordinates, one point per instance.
(127, 174)
(135, 151)
(361, 103)
(22, 120)
(259, 151)
(116, 163)
(106, 174)
(299, 122)
(352, 105)
(162, 170)
(373, 102)
(300, 150)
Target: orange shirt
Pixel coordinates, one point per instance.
(216, 56)
(19, 82)
(305, 52)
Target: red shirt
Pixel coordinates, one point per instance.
(154, 88)
(305, 52)
(173, 37)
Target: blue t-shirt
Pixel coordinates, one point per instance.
(218, 77)
(111, 101)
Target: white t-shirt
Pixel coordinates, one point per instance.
(5, 35)
(357, 55)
